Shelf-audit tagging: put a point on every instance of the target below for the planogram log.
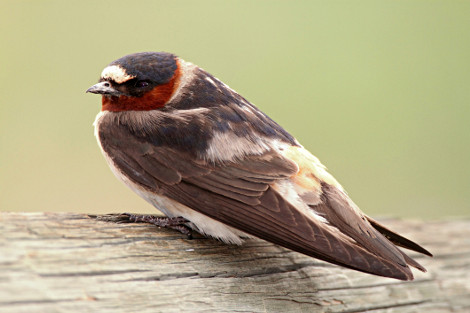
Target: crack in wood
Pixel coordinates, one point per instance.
(389, 306)
(90, 273)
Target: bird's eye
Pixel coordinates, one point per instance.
(141, 84)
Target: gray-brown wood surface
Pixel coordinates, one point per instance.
(72, 263)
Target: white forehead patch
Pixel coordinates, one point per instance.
(116, 73)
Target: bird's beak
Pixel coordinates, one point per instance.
(104, 88)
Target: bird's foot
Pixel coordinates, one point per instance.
(176, 223)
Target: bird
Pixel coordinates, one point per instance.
(212, 162)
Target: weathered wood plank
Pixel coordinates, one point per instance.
(71, 263)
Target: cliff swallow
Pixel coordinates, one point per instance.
(201, 153)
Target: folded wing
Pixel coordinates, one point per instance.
(245, 195)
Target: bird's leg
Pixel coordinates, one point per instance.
(176, 223)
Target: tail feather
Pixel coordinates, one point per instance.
(412, 262)
(399, 240)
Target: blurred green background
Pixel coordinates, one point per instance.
(378, 90)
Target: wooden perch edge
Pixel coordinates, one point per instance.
(72, 263)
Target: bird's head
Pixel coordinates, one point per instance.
(138, 82)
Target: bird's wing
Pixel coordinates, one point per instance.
(285, 197)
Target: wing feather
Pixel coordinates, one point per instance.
(240, 194)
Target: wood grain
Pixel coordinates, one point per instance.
(73, 263)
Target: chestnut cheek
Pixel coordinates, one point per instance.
(151, 100)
